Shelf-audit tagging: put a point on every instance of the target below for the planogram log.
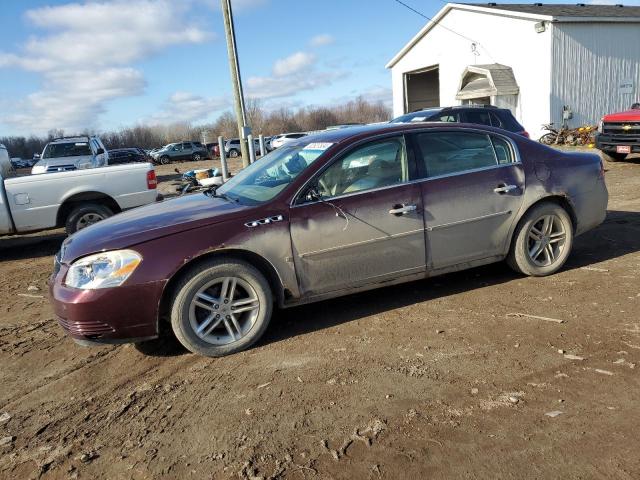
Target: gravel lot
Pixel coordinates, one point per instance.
(442, 378)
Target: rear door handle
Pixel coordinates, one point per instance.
(505, 188)
(402, 209)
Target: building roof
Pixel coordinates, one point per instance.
(487, 80)
(566, 10)
(537, 12)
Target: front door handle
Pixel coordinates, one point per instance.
(402, 209)
(505, 188)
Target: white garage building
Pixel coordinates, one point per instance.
(532, 58)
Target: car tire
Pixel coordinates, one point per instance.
(548, 139)
(165, 160)
(196, 157)
(233, 153)
(614, 157)
(191, 322)
(538, 248)
(84, 215)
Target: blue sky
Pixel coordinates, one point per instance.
(106, 64)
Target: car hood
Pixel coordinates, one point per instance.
(65, 160)
(150, 222)
(628, 116)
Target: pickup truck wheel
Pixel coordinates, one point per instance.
(84, 215)
(165, 160)
(542, 241)
(196, 157)
(221, 307)
(614, 157)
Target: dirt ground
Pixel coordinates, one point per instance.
(434, 379)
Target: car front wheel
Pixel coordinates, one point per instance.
(542, 241)
(234, 153)
(165, 160)
(221, 307)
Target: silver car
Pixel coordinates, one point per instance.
(71, 153)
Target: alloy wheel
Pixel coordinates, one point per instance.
(88, 219)
(546, 240)
(224, 310)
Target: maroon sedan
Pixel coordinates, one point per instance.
(328, 215)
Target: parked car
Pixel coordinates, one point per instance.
(286, 138)
(71, 153)
(232, 147)
(213, 149)
(330, 214)
(72, 199)
(119, 156)
(181, 152)
(21, 163)
(619, 135)
(478, 114)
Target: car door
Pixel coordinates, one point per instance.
(187, 151)
(365, 226)
(473, 189)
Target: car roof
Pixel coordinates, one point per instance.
(362, 132)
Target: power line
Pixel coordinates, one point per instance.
(473, 42)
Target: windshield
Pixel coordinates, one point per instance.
(420, 116)
(264, 179)
(57, 150)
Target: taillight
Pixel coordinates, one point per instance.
(152, 181)
(524, 133)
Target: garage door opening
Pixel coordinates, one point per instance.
(421, 89)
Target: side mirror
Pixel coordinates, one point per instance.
(36, 156)
(312, 195)
(100, 151)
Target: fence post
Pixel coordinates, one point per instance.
(263, 145)
(252, 149)
(223, 159)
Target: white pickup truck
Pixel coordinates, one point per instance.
(73, 199)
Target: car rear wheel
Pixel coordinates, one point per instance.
(196, 157)
(542, 241)
(233, 153)
(613, 156)
(221, 307)
(165, 160)
(85, 215)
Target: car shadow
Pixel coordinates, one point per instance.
(22, 247)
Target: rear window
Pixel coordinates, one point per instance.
(480, 117)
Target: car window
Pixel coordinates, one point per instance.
(447, 117)
(420, 116)
(452, 152)
(495, 120)
(186, 146)
(503, 149)
(74, 149)
(374, 165)
(479, 117)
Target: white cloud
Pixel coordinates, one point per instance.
(296, 73)
(293, 64)
(85, 56)
(321, 40)
(188, 107)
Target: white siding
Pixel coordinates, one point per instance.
(509, 41)
(589, 62)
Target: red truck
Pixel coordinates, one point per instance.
(619, 134)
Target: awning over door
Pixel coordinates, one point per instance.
(487, 81)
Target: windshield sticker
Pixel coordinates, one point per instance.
(318, 146)
(81, 144)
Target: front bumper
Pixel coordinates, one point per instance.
(111, 315)
(608, 142)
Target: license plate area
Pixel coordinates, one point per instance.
(623, 149)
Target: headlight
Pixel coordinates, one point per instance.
(38, 169)
(102, 270)
(600, 126)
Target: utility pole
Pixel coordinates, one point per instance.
(243, 128)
